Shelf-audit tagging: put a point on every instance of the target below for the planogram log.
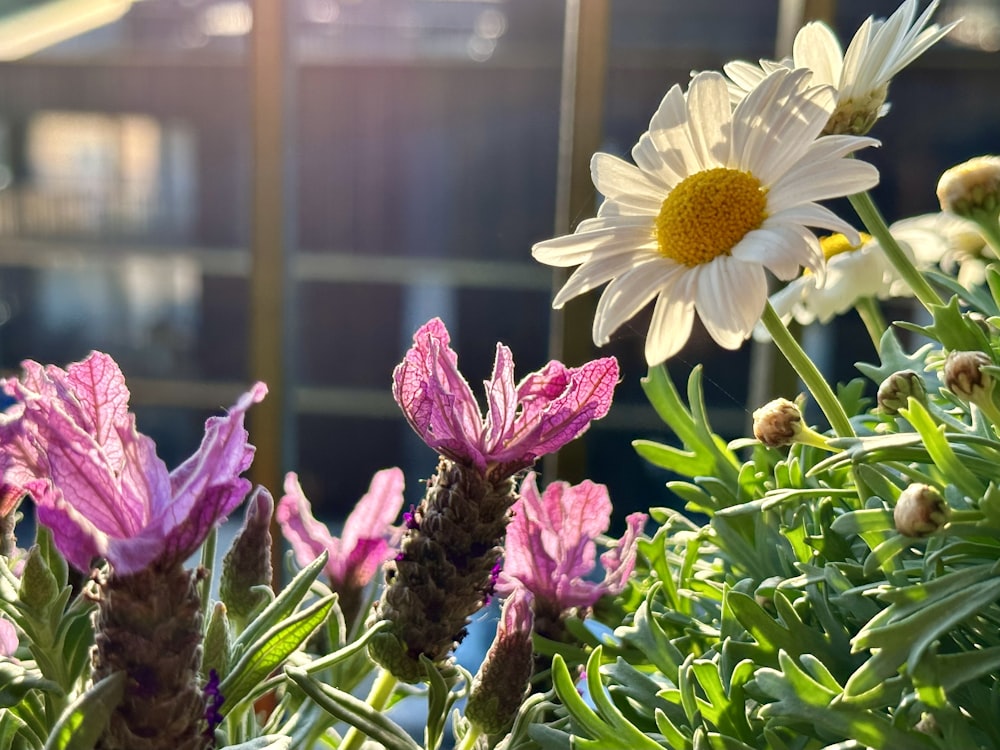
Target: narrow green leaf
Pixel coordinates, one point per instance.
(270, 650)
(84, 720)
(16, 680)
(345, 707)
(283, 604)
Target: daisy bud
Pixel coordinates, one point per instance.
(972, 189)
(779, 423)
(897, 388)
(963, 375)
(920, 511)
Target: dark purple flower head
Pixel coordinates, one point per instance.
(550, 545)
(71, 443)
(542, 413)
(365, 542)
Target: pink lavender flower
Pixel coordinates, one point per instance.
(542, 413)
(550, 547)
(503, 679)
(364, 543)
(97, 482)
(8, 637)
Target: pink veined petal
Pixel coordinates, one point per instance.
(73, 534)
(363, 562)
(224, 454)
(525, 560)
(76, 465)
(99, 386)
(372, 517)
(436, 399)
(620, 562)
(307, 537)
(548, 425)
(502, 397)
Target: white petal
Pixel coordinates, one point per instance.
(573, 249)
(809, 215)
(629, 293)
(625, 183)
(780, 249)
(729, 298)
(591, 275)
(673, 317)
(709, 115)
(816, 47)
(811, 183)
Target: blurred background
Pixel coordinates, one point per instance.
(213, 198)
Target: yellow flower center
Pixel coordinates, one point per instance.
(835, 244)
(708, 213)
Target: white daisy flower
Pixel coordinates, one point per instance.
(879, 50)
(716, 197)
(853, 271)
(960, 249)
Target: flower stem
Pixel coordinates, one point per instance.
(379, 695)
(871, 316)
(469, 740)
(869, 214)
(807, 371)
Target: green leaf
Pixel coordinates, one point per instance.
(608, 728)
(17, 679)
(441, 696)
(268, 742)
(283, 605)
(918, 615)
(345, 707)
(941, 452)
(270, 650)
(801, 698)
(84, 720)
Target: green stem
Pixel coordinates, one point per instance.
(469, 740)
(869, 214)
(807, 371)
(379, 695)
(871, 316)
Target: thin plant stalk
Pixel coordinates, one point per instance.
(807, 371)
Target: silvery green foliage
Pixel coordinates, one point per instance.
(797, 616)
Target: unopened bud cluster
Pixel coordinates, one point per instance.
(964, 375)
(898, 388)
(920, 511)
(972, 189)
(779, 423)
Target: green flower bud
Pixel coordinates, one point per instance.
(39, 588)
(920, 511)
(218, 642)
(779, 423)
(963, 375)
(897, 388)
(246, 568)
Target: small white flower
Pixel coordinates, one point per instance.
(716, 197)
(879, 50)
(853, 271)
(960, 248)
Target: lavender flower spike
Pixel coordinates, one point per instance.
(550, 548)
(362, 547)
(542, 413)
(98, 483)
